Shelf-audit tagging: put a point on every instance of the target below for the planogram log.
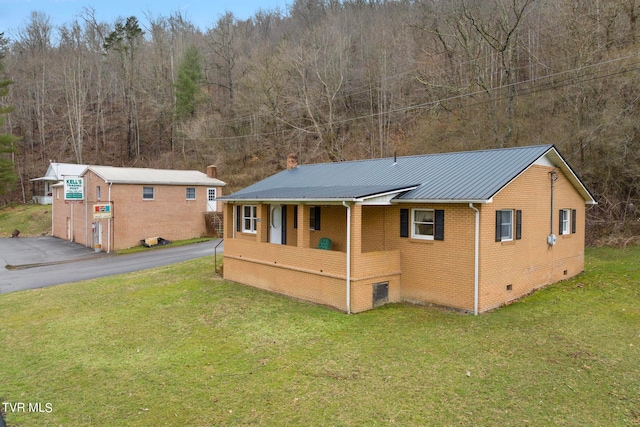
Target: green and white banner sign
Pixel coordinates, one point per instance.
(73, 188)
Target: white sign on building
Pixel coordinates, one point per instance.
(73, 188)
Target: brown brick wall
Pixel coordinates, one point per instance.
(307, 273)
(61, 212)
(381, 228)
(530, 263)
(440, 272)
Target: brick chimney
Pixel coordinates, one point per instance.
(212, 171)
(292, 161)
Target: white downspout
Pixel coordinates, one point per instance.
(109, 223)
(53, 199)
(86, 214)
(73, 208)
(348, 256)
(475, 260)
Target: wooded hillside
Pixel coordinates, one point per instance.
(336, 80)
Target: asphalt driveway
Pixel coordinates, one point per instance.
(45, 261)
(24, 251)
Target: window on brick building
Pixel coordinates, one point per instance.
(249, 218)
(425, 224)
(314, 218)
(508, 228)
(191, 193)
(567, 221)
(148, 193)
(98, 193)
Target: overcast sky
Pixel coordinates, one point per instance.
(14, 14)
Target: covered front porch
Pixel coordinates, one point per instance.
(278, 247)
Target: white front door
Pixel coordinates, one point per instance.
(212, 205)
(275, 228)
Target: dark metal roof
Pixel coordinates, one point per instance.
(450, 177)
(341, 192)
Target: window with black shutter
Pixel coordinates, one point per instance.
(504, 225)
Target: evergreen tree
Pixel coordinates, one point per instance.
(125, 39)
(8, 175)
(188, 84)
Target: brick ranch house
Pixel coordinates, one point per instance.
(144, 203)
(468, 230)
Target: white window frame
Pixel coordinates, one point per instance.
(504, 224)
(414, 224)
(187, 193)
(566, 221)
(98, 192)
(153, 193)
(250, 219)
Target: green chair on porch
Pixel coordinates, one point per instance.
(324, 243)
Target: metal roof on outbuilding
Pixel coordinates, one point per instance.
(470, 176)
(56, 171)
(148, 176)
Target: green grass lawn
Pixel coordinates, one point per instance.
(31, 220)
(175, 346)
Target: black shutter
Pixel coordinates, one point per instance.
(574, 215)
(404, 222)
(238, 218)
(295, 216)
(316, 224)
(284, 224)
(498, 226)
(561, 216)
(518, 224)
(316, 218)
(438, 231)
